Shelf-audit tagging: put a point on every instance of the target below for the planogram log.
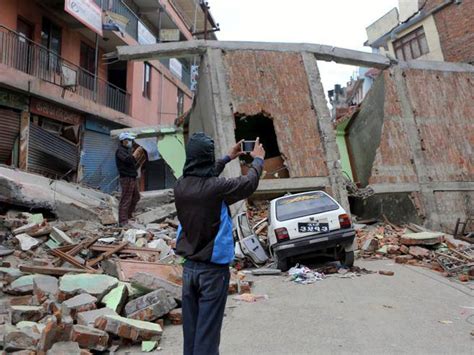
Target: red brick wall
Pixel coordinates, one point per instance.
(277, 84)
(455, 24)
(442, 103)
(443, 110)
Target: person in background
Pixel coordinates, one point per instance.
(127, 167)
(205, 237)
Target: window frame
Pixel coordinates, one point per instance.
(147, 80)
(403, 46)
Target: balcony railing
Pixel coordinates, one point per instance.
(119, 7)
(34, 59)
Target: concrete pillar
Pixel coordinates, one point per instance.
(328, 136)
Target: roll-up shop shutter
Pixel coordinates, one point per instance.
(9, 132)
(98, 161)
(49, 154)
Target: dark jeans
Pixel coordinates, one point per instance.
(205, 288)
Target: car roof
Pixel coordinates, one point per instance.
(301, 194)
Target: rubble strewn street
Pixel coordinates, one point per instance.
(98, 286)
(91, 285)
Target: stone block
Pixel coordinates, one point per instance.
(88, 318)
(404, 249)
(116, 298)
(148, 282)
(151, 306)
(80, 303)
(26, 313)
(131, 329)
(45, 287)
(90, 338)
(93, 284)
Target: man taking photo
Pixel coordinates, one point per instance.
(205, 237)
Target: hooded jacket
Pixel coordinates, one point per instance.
(202, 201)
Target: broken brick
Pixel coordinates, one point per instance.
(463, 277)
(403, 259)
(9, 274)
(370, 245)
(67, 348)
(45, 287)
(25, 338)
(151, 306)
(419, 252)
(90, 338)
(176, 316)
(88, 318)
(149, 282)
(21, 286)
(116, 298)
(93, 284)
(404, 249)
(422, 238)
(80, 303)
(53, 332)
(27, 313)
(386, 272)
(393, 249)
(132, 329)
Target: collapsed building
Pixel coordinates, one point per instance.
(411, 139)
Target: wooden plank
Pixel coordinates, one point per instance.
(107, 254)
(77, 248)
(71, 260)
(128, 250)
(51, 270)
(170, 272)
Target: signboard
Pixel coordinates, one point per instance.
(58, 113)
(169, 35)
(145, 36)
(13, 100)
(176, 67)
(87, 12)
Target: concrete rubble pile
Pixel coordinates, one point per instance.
(79, 286)
(414, 245)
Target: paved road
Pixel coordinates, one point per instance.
(372, 314)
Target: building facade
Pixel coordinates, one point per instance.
(441, 30)
(60, 96)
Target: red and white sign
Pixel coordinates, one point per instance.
(87, 12)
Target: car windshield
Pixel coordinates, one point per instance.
(304, 205)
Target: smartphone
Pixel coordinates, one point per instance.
(247, 146)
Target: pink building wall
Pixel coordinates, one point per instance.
(159, 109)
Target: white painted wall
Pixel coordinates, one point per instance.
(406, 8)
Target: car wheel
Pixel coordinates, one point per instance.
(347, 258)
(281, 263)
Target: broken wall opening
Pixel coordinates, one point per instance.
(261, 126)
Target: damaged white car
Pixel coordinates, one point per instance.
(307, 224)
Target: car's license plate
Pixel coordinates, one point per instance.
(313, 227)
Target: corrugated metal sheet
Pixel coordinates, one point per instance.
(98, 161)
(50, 154)
(9, 131)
